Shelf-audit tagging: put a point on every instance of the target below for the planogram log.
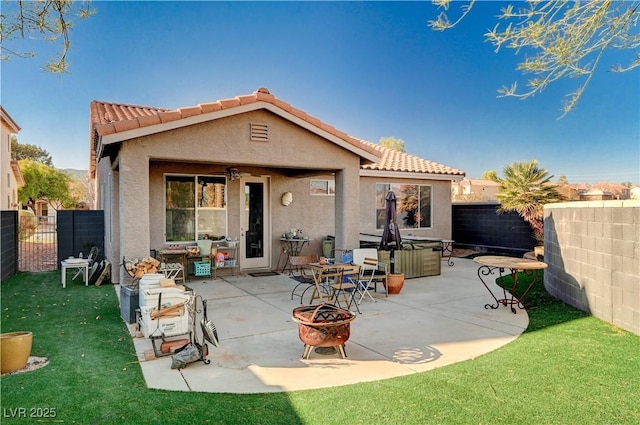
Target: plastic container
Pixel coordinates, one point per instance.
(202, 268)
(151, 279)
(170, 296)
(327, 248)
(205, 246)
(163, 326)
(129, 302)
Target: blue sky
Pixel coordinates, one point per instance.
(371, 69)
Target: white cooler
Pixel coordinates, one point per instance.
(163, 326)
(148, 296)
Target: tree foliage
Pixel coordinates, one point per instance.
(561, 39)
(32, 152)
(46, 20)
(392, 143)
(525, 189)
(44, 182)
(491, 175)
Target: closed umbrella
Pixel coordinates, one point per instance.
(391, 239)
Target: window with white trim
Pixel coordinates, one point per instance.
(323, 187)
(195, 207)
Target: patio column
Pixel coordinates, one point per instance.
(134, 200)
(347, 208)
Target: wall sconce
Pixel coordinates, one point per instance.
(286, 199)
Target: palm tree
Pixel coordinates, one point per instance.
(525, 189)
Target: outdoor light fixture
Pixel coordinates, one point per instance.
(286, 199)
(233, 173)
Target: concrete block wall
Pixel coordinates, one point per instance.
(593, 253)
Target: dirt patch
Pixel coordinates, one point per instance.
(33, 363)
(37, 256)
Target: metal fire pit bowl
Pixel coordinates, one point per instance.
(323, 325)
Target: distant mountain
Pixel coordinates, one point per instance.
(80, 174)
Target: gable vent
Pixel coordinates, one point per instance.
(259, 132)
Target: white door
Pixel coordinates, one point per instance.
(255, 223)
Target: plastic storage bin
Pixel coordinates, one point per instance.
(202, 268)
(129, 302)
(163, 326)
(170, 296)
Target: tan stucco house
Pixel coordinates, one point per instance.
(11, 176)
(250, 168)
(474, 190)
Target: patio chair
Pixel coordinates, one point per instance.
(346, 286)
(371, 272)
(372, 269)
(300, 273)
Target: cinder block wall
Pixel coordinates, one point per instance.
(593, 253)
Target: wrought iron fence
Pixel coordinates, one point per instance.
(37, 243)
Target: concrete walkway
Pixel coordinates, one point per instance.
(435, 321)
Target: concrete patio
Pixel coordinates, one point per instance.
(435, 321)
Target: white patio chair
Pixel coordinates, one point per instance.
(373, 269)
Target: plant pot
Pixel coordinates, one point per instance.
(15, 348)
(394, 283)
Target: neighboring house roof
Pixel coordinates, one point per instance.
(9, 122)
(399, 162)
(479, 182)
(110, 123)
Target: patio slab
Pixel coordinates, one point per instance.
(433, 322)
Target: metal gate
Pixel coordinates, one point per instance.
(37, 243)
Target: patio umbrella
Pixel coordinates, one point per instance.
(391, 239)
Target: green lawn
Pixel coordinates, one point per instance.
(566, 368)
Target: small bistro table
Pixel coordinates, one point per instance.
(79, 264)
(292, 248)
(490, 263)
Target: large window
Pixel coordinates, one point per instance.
(196, 208)
(413, 204)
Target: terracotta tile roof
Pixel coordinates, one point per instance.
(393, 160)
(112, 118)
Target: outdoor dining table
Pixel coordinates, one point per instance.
(321, 273)
(513, 266)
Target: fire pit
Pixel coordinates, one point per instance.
(324, 325)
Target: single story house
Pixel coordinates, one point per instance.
(474, 190)
(250, 168)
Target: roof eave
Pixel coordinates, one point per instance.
(410, 175)
(7, 119)
(15, 167)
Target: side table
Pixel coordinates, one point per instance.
(75, 264)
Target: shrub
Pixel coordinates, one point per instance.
(27, 224)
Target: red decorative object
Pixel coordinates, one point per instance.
(394, 283)
(324, 325)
